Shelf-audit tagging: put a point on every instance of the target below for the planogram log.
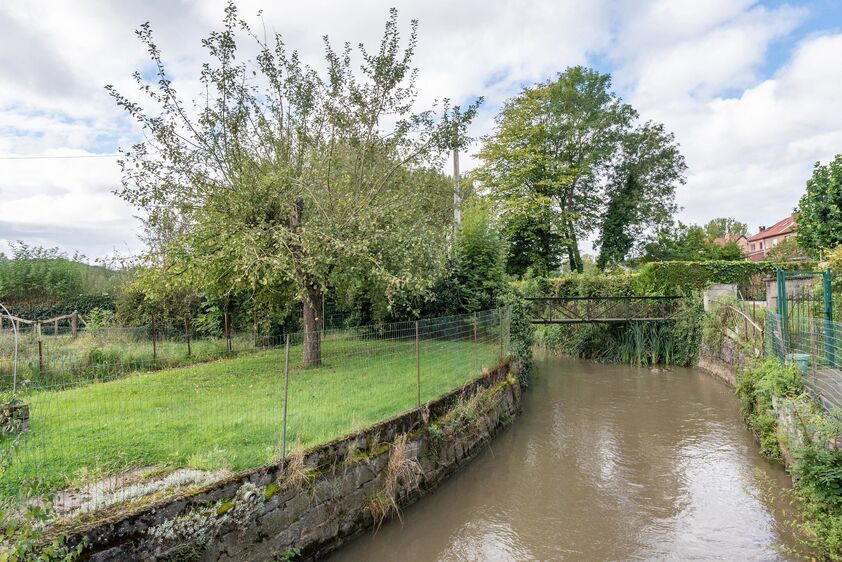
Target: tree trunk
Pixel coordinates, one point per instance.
(312, 296)
(573, 251)
(312, 328)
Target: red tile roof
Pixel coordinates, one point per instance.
(722, 240)
(784, 226)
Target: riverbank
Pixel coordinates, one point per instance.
(320, 498)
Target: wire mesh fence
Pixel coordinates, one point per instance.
(112, 432)
(813, 345)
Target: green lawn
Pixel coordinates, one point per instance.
(228, 414)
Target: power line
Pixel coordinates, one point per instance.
(68, 157)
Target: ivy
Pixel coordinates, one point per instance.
(684, 277)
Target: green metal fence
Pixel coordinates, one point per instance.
(811, 344)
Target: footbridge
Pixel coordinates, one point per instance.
(602, 310)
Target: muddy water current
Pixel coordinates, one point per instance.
(606, 462)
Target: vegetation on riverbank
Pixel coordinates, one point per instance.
(766, 389)
(675, 342)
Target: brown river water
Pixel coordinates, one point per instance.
(606, 462)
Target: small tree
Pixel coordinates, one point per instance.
(820, 208)
(282, 175)
(479, 258)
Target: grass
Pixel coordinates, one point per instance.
(228, 414)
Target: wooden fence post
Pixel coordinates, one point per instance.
(40, 358)
(227, 331)
(55, 327)
(74, 324)
(500, 317)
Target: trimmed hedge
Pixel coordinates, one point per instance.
(683, 277)
(656, 278)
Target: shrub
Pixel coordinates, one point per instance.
(479, 259)
(521, 335)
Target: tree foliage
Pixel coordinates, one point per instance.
(284, 178)
(784, 250)
(479, 256)
(33, 276)
(566, 160)
(640, 192)
(681, 242)
(725, 227)
(820, 208)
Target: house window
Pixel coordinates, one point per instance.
(752, 247)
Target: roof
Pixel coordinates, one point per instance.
(722, 240)
(784, 226)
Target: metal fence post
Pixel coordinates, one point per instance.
(418, 363)
(500, 319)
(154, 343)
(475, 360)
(286, 398)
(782, 309)
(829, 343)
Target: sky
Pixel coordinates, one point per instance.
(752, 90)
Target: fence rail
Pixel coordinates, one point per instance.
(113, 434)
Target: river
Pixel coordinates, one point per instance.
(606, 462)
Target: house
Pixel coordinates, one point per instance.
(761, 243)
(741, 241)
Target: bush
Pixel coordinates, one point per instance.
(479, 253)
(755, 387)
(83, 304)
(521, 335)
(100, 318)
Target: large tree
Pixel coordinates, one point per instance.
(282, 175)
(820, 208)
(640, 191)
(550, 160)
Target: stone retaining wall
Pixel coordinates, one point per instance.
(724, 365)
(321, 500)
(724, 362)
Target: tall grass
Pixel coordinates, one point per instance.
(636, 343)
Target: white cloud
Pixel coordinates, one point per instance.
(751, 155)
(750, 140)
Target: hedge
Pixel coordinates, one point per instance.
(683, 277)
(655, 278)
(44, 310)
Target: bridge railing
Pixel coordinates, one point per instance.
(579, 310)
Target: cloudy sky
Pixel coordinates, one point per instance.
(752, 90)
